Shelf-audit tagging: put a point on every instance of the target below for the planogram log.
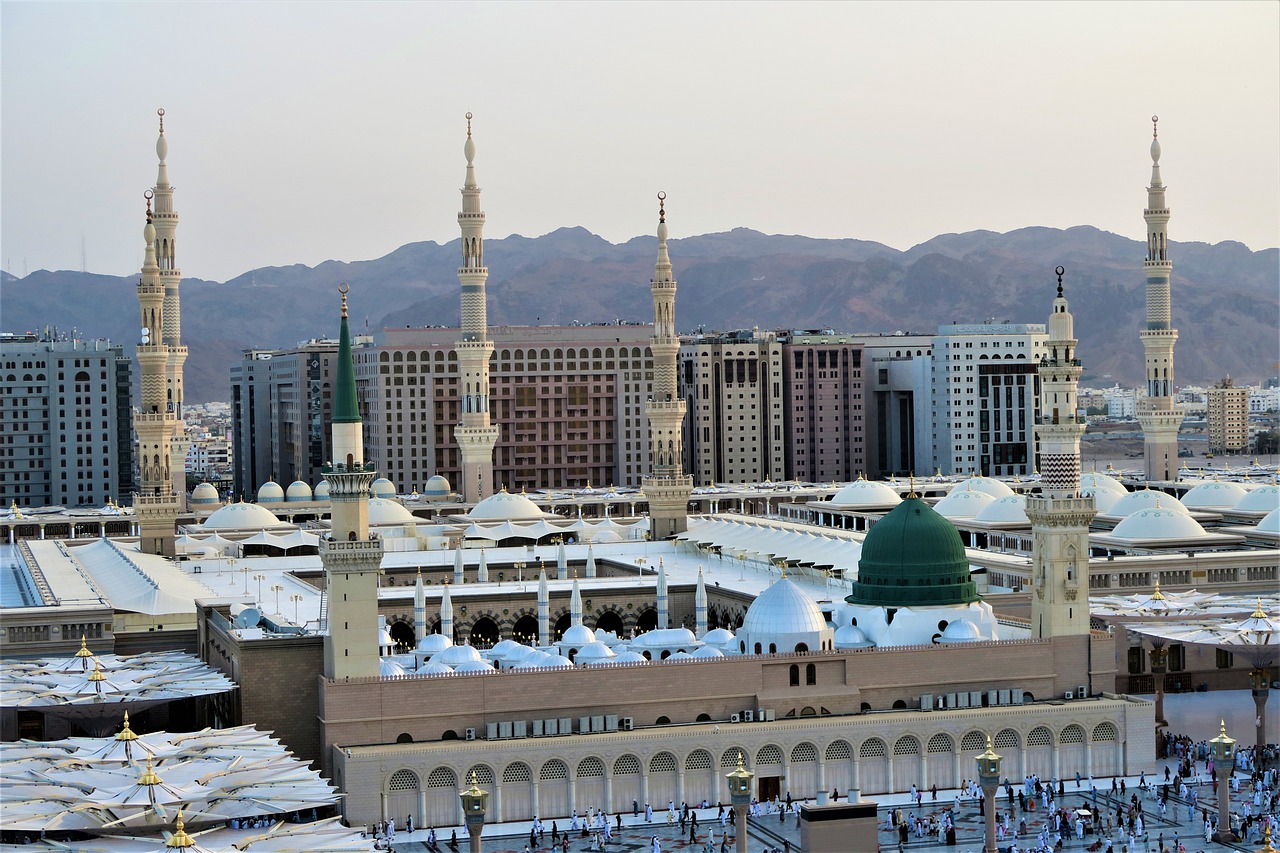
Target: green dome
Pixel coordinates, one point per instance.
(913, 557)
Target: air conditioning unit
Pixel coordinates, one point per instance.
(471, 734)
(768, 716)
(926, 701)
(759, 715)
(748, 716)
(1082, 692)
(628, 723)
(735, 718)
(1070, 694)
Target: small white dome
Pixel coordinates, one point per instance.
(1010, 508)
(204, 493)
(594, 651)
(437, 487)
(270, 493)
(241, 516)
(666, 638)
(387, 511)
(474, 666)
(1145, 499)
(1261, 499)
(678, 656)
(630, 657)
(433, 668)
(782, 609)
(297, 491)
(1158, 524)
(963, 503)
(505, 506)
(578, 635)
(389, 668)
(1270, 522)
(556, 662)
(1217, 495)
(382, 488)
(455, 656)
(864, 494)
(322, 491)
(960, 631)
(706, 652)
(718, 637)
(995, 488)
(1101, 482)
(433, 643)
(501, 648)
(1103, 499)
(851, 637)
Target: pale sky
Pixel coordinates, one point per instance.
(301, 132)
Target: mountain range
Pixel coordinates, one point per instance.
(1226, 297)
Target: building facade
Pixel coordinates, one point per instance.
(1227, 417)
(823, 381)
(983, 396)
(65, 432)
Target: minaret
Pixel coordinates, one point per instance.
(664, 618)
(475, 435)
(667, 488)
(700, 607)
(446, 613)
(419, 610)
(352, 558)
(157, 503)
(591, 561)
(562, 562)
(482, 572)
(575, 604)
(1157, 414)
(1059, 515)
(457, 565)
(165, 219)
(544, 610)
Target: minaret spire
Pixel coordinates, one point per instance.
(667, 487)
(1159, 417)
(544, 610)
(1059, 515)
(475, 434)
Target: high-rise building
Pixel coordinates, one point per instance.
(977, 408)
(667, 487)
(568, 401)
(1059, 516)
(1227, 417)
(737, 424)
(823, 381)
(896, 365)
(1157, 414)
(65, 433)
(352, 557)
(162, 442)
(475, 434)
(282, 403)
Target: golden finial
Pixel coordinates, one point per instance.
(468, 125)
(1259, 613)
(126, 733)
(97, 675)
(662, 207)
(1266, 840)
(740, 767)
(1157, 595)
(160, 112)
(149, 776)
(180, 837)
(84, 648)
(1155, 121)
(343, 289)
(911, 489)
(474, 780)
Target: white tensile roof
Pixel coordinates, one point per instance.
(152, 676)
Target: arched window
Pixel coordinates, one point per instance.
(810, 674)
(795, 675)
(403, 780)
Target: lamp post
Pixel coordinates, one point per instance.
(989, 779)
(740, 780)
(277, 589)
(259, 578)
(295, 598)
(474, 800)
(1224, 759)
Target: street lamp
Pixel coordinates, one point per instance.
(989, 779)
(259, 579)
(474, 799)
(277, 589)
(295, 598)
(740, 795)
(520, 571)
(1224, 759)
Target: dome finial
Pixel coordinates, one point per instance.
(662, 207)
(343, 289)
(1060, 272)
(148, 195)
(160, 112)
(468, 125)
(911, 490)
(1155, 127)
(1158, 595)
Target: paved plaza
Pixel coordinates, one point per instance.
(1194, 714)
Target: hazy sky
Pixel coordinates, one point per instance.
(304, 131)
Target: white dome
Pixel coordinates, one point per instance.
(389, 668)
(455, 656)
(865, 494)
(594, 652)
(270, 493)
(1103, 499)
(1158, 524)
(1010, 508)
(322, 491)
(204, 493)
(505, 506)
(1261, 499)
(437, 487)
(387, 511)
(718, 637)
(666, 638)
(501, 648)
(1217, 495)
(960, 631)
(433, 668)
(631, 657)
(851, 637)
(298, 491)
(706, 652)
(519, 653)
(433, 643)
(963, 503)
(241, 516)
(782, 609)
(1101, 482)
(474, 666)
(382, 488)
(555, 662)
(995, 488)
(578, 635)
(1270, 522)
(678, 656)
(1145, 499)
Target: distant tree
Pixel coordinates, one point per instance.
(1267, 442)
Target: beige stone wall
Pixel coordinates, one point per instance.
(551, 776)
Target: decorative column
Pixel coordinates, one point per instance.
(474, 800)
(740, 791)
(1258, 686)
(1224, 759)
(989, 779)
